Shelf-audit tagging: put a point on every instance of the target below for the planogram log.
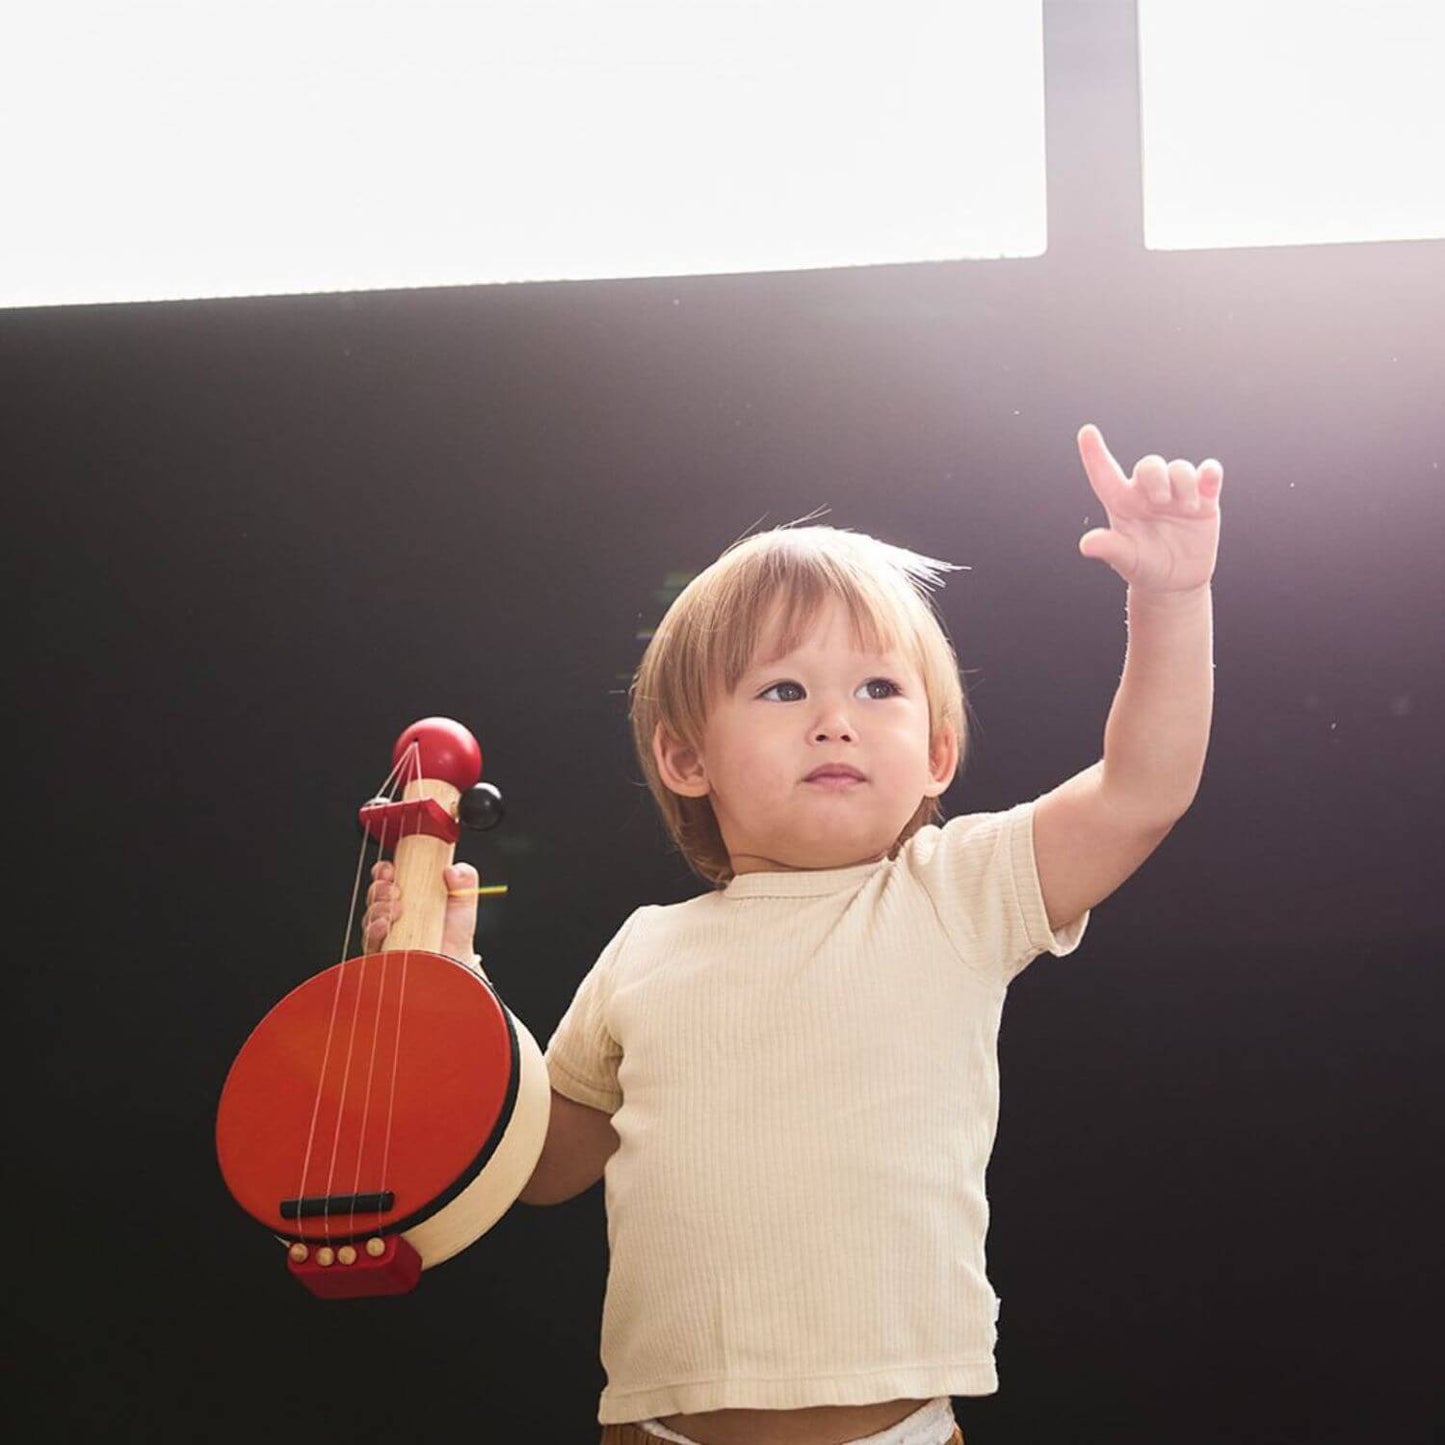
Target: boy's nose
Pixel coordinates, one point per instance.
(834, 729)
(832, 720)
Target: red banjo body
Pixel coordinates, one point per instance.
(390, 1109)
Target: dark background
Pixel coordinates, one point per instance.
(250, 540)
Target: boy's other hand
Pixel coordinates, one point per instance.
(1163, 532)
(384, 906)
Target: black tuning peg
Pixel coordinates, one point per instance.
(481, 807)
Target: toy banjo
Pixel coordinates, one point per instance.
(388, 1111)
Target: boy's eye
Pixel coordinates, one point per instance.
(794, 689)
(877, 688)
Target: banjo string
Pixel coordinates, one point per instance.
(335, 1004)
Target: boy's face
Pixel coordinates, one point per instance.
(824, 705)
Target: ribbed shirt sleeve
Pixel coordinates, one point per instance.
(582, 1056)
(981, 875)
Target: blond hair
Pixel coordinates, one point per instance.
(709, 637)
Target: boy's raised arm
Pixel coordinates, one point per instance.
(1094, 830)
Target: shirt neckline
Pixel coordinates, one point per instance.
(801, 883)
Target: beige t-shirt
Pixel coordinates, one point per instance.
(802, 1071)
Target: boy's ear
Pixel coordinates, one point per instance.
(679, 765)
(942, 762)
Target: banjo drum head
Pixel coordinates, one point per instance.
(368, 1098)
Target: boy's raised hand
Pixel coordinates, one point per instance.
(1163, 532)
(384, 905)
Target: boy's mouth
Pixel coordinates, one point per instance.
(835, 773)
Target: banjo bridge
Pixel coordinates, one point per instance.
(329, 1204)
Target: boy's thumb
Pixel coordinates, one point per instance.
(460, 926)
(1104, 544)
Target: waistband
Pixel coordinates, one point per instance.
(930, 1424)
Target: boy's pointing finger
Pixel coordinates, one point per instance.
(1105, 474)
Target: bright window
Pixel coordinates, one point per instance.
(1286, 122)
(217, 148)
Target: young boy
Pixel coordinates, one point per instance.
(791, 1080)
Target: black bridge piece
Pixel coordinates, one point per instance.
(337, 1204)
